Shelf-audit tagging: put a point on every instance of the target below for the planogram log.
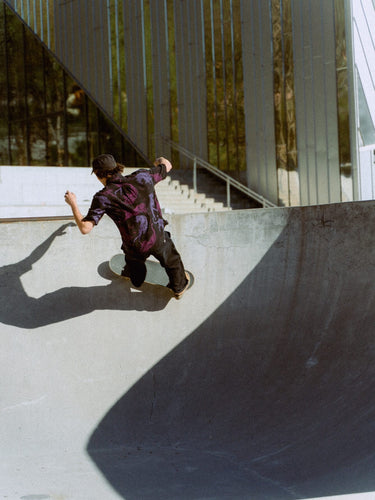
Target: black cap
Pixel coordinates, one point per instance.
(103, 162)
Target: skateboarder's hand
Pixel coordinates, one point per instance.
(84, 226)
(163, 161)
(70, 198)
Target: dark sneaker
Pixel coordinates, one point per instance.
(136, 274)
(125, 273)
(178, 295)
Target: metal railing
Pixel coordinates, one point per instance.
(230, 181)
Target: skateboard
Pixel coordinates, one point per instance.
(156, 274)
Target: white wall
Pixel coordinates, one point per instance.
(39, 191)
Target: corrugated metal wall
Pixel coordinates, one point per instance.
(259, 108)
(88, 42)
(135, 70)
(190, 70)
(316, 101)
(161, 74)
(86, 51)
(82, 44)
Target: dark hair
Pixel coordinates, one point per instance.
(105, 173)
(105, 166)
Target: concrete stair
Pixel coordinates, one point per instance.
(211, 186)
(178, 198)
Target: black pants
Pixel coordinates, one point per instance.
(169, 258)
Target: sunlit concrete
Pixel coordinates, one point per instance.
(258, 384)
(355, 496)
(39, 191)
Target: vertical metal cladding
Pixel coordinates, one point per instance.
(135, 70)
(82, 44)
(202, 72)
(161, 74)
(316, 101)
(190, 70)
(258, 88)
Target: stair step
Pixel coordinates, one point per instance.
(176, 196)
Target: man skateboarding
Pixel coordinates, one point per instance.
(131, 202)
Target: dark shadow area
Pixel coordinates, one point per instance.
(272, 397)
(18, 309)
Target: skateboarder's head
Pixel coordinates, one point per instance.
(104, 166)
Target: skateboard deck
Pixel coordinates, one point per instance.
(156, 274)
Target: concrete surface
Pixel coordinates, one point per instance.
(39, 191)
(257, 385)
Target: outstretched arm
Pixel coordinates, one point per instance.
(84, 226)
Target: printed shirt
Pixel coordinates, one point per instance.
(131, 202)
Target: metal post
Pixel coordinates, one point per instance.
(228, 193)
(195, 175)
(41, 20)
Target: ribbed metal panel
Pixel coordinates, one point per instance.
(191, 87)
(82, 43)
(258, 88)
(316, 101)
(161, 76)
(135, 70)
(124, 61)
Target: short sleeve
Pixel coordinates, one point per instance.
(158, 173)
(96, 211)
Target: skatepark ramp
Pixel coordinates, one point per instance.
(258, 384)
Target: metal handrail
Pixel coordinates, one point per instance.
(230, 181)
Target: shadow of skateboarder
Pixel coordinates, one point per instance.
(17, 308)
